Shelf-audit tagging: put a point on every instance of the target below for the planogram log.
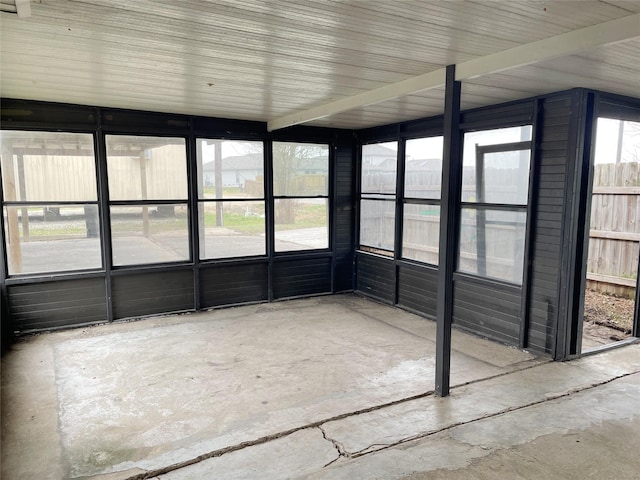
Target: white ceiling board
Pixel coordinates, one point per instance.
(548, 48)
(258, 60)
(612, 68)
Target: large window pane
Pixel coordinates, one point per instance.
(493, 137)
(503, 178)
(423, 168)
(149, 234)
(301, 224)
(146, 168)
(50, 238)
(231, 229)
(492, 243)
(230, 169)
(379, 165)
(421, 232)
(506, 174)
(300, 169)
(617, 141)
(377, 224)
(48, 166)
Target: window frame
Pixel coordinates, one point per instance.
(220, 201)
(390, 197)
(148, 202)
(274, 197)
(24, 204)
(482, 206)
(413, 200)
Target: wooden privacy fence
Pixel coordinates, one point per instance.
(614, 235)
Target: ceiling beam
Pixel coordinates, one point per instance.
(586, 38)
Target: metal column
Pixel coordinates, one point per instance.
(449, 215)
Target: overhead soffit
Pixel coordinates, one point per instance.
(257, 60)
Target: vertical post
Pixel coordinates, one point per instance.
(194, 193)
(449, 214)
(143, 190)
(269, 212)
(23, 197)
(15, 248)
(217, 163)
(104, 211)
(620, 140)
(199, 189)
(635, 329)
(481, 216)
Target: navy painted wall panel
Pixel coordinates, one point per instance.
(344, 217)
(553, 159)
(376, 277)
(491, 310)
(40, 306)
(141, 294)
(299, 277)
(418, 288)
(233, 284)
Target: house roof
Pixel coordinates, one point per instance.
(341, 63)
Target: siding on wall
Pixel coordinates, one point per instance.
(376, 277)
(487, 309)
(546, 244)
(233, 284)
(344, 219)
(40, 306)
(293, 277)
(141, 294)
(418, 288)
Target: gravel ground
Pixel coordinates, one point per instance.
(607, 318)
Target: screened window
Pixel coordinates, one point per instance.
(231, 204)
(495, 192)
(50, 202)
(421, 204)
(377, 197)
(301, 196)
(148, 199)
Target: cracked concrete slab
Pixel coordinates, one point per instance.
(298, 454)
(380, 428)
(528, 443)
(124, 398)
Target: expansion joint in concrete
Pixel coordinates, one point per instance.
(343, 453)
(550, 397)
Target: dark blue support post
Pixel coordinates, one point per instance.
(449, 215)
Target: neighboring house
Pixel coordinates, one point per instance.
(235, 170)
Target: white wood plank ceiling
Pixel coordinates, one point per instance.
(273, 60)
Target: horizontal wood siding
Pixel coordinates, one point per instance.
(344, 218)
(228, 285)
(376, 277)
(616, 106)
(418, 288)
(40, 306)
(298, 277)
(487, 309)
(546, 244)
(506, 114)
(142, 294)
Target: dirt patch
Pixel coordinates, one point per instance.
(607, 318)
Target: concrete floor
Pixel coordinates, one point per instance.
(328, 387)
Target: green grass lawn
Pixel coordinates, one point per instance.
(234, 218)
